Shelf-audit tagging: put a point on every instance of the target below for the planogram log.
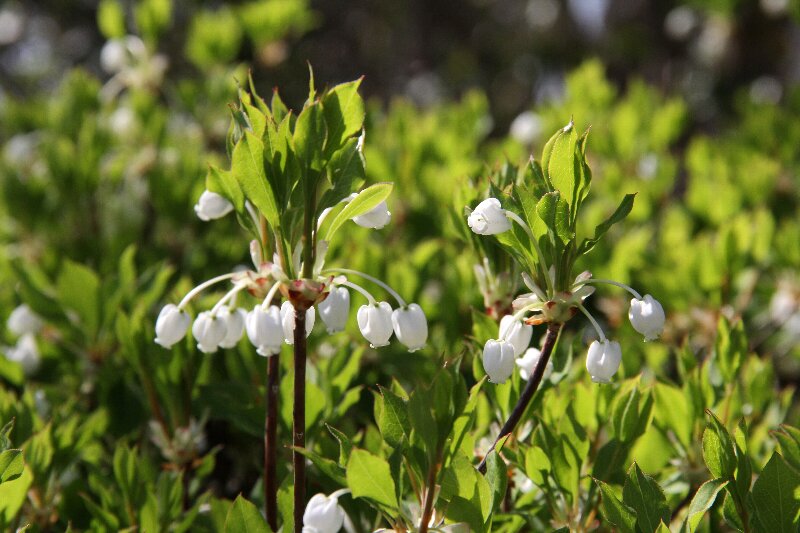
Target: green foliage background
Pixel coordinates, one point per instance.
(97, 184)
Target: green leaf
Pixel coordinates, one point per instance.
(789, 439)
(777, 506)
(247, 165)
(497, 476)
(363, 202)
(111, 19)
(78, 291)
(537, 465)
(554, 212)
(391, 415)
(347, 172)
(561, 164)
(642, 493)
(345, 446)
(718, 451)
(369, 476)
(13, 495)
(731, 514)
(224, 183)
(702, 501)
(730, 348)
(344, 112)
(11, 465)
(309, 136)
(622, 211)
(614, 511)
(244, 517)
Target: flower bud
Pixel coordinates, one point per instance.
(498, 360)
(234, 326)
(375, 323)
(489, 218)
(208, 331)
(23, 320)
(171, 325)
(516, 332)
(603, 359)
(323, 514)
(211, 206)
(335, 308)
(375, 218)
(287, 320)
(264, 329)
(410, 326)
(527, 364)
(26, 353)
(647, 317)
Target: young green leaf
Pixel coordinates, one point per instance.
(310, 134)
(643, 494)
(718, 451)
(775, 497)
(560, 166)
(11, 465)
(614, 511)
(391, 415)
(369, 476)
(622, 211)
(244, 517)
(344, 113)
(554, 212)
(702, 501)
(366, 200)
(247, 165)
(224, 183)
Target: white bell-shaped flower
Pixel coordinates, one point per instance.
(334, 309)
(171, 325)
(234, 326)
(603, 359)
(410, 326)
(208, 331)
(498, 360)
(489, 218)
(26, 353)
(323, 514)
(375, 323)
(211, 206)
(287, 319)
(527, 364)
(265, 330)
(647, 317)
(375, 218)
(113, 56)
(23, 320)
(516, 332)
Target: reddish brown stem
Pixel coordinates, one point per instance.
(528, 392)
(299, 418)
(271, 442)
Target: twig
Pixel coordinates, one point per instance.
(528, 392)
(271, 442)
(299, 418)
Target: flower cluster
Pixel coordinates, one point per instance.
(538, 307)
(267, 325)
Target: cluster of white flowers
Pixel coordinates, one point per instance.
(268, 326)
(511, 347)
(24, 323)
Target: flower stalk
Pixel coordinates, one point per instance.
(530, 389)
(299, 418)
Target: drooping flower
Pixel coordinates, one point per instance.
(234, 326)
(603, 360)
(527, 364)
(647, 317)
(334, 309)
(323, 514)
(211, 206)
(489, 218)
(516, 332)
(171, 325)
(498, 360)
(375, 218)
(375, 323)
(208, 331)
(410, 326)
(287, 320)
(265, 330)
(24, 320)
